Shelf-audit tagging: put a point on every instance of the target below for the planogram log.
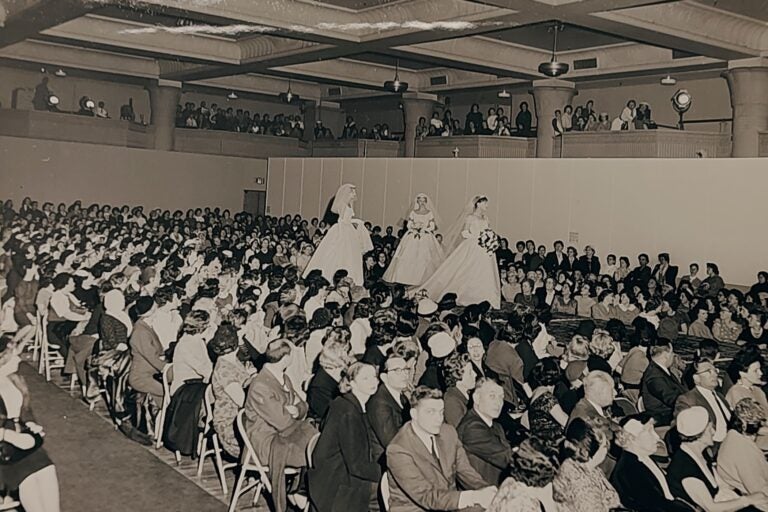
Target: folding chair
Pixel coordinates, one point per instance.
(209, 436)
(160, 421)
(50, 359)
(250, 464)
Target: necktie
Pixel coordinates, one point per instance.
(723, 408)
(434, 450)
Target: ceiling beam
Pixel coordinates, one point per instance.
(22, 19)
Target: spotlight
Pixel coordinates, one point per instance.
(232, 95)
(681, 102)
(53, 100)
(60, 72)
(90, 104)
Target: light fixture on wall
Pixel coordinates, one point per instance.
(681, 102)
(553, 68)
(60, 72)
(396, 85)
(668, 80)
(504, 94)
(232, 95)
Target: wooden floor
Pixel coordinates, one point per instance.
(208, 480)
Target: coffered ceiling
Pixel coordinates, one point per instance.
(254, 45)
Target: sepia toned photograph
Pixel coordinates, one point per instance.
(383, 255)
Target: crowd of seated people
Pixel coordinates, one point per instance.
(584, 118)
(350, 130)
(426, 405)
(238, 120)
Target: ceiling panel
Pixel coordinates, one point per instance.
(387, 60)
(539, 36)
(757, 9)
(357, 5)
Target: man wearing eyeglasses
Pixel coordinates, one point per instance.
(387, 409)
(704, 393)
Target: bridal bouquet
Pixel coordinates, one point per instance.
(488, 240)
(420, 229)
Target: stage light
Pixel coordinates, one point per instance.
(681, 102)
(90, 104)
(396, 85)
(53, 100)
(553, 68)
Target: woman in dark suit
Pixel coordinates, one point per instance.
(344, 475)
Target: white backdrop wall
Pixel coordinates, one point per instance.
(697, 210)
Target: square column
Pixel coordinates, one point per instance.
(549, 95)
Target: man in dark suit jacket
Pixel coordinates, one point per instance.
(387, 409)
(659, 388)
(599, 392)
(483, 438)
(705, 394)
(426, 461)
(664, 273)
(553, 261)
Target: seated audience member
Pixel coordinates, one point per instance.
(754, 333)
(712, 284)
(636, 360)
(601, 350)
(580, 485)
(275, 419)
(673, 322)
(190, 357)
(476, 352)
(323, 387)
(663, 272)
(229, 379)
(387, 410)
(64, 312)
(528, 488)
(527, 297)
(460, 380)
(147, 353)
(426, 462)
(483, 437)
(640, 482)
(383, 332)
(691, 475)
(599, 393)
(725, 328)
(585, 301)
(545, 416)
(660, 387)
(699, 326)
(746, 372)
(565, 303)
(705, 394)
(605, 308)
(741, 465)
(344, 473)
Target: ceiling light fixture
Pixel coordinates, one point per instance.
(396, 85)
(288, 96)
(553, 68)
(504, 94)
(232, 95)
(668, 80)
(60, 72)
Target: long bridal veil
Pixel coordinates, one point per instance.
(452, 237)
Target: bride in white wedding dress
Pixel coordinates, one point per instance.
(346, 241)
(470, 271)
(419, 253)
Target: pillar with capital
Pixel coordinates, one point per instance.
(549, 95)
(748, 84)
(415, 105)
(164, 96)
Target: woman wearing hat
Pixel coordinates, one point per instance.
(228, 381)
(690, 474)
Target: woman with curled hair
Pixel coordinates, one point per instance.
(740, 462)
(580, 485)
(545, 415)
(190, 356)
(459, 380)
(601, 348)
(333, 361)
(528, 488)
(345, 475)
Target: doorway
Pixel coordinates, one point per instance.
(255, 202)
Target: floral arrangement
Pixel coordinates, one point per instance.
(488, 240)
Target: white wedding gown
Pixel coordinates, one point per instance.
(418, 255)
(342, 247)
(469, 271)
